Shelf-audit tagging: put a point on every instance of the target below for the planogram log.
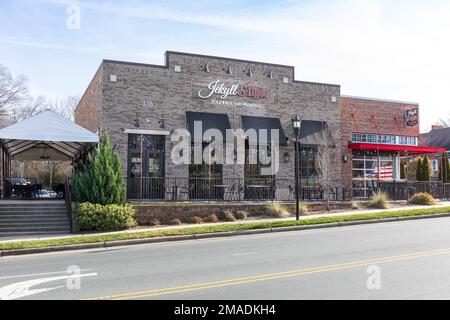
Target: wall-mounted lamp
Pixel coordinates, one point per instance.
(288, 141)
(345, 158)
(205, 67)
(136, 123)
(249, 72)
(162, 123)
(286, 157)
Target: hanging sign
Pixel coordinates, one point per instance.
(411, 117)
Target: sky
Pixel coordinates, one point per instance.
(396, 50)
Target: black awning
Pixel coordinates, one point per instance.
(315, 133)
(209, 121)
(259, 123)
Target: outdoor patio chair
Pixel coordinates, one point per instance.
(229, 192)
(186, 191)
(169, 193)
(291, 192)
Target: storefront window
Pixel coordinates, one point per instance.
(308, 166)
(383, 139)
(253, 172)
(368, 166)
(205, 180)
(204, 170)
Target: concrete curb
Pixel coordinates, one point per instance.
(117, 243)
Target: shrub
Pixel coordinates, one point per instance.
(241, 215)
(154, 222)
(196, 220)
(303, 209)
(224, 213)
(423, 199)
(212, 218)
(101, 181)
(229, 216)
(175, 222)
(277, 210)
(97, 217)
(379, 200)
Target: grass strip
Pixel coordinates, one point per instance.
(217, 228)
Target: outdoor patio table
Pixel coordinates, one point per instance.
(218, 192)
(259, 191)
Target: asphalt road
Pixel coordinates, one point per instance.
(401, 260)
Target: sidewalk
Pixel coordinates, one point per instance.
(142, 229)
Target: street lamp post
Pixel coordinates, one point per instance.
(296, 125)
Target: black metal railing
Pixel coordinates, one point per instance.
(68, 197)
(235, 189)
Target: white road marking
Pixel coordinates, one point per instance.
(39, 274)
(23, 289)
(244, 254)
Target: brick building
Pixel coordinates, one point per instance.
(141, 104)
(439, 136)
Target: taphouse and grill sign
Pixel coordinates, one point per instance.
(220, 88)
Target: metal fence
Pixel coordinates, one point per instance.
(28, 189)
(233, 189)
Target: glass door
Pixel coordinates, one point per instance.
(134, 181)
(146, 156)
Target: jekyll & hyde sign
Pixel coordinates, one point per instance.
(224, 91)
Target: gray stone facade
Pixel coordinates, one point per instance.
(150, 93)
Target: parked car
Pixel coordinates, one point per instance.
(18, 181)
(43, 194)
(52, 194)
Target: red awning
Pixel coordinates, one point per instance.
(395, 148)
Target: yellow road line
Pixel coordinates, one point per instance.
(271, 276)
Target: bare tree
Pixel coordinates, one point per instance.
(28, 109)
(13, 91)
(65, 107)
(325, 162)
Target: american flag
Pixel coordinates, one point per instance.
(385, 172)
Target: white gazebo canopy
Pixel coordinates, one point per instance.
(46, 136)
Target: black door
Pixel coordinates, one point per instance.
(146, 167)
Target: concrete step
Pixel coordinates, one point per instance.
(32, 229)
(23, 217)
(32, 208)
(32, 205)
(33, 225)
(33, 218)
(31, 213)
(32, 233)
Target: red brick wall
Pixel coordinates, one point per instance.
(371, 116)
(88, 111)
